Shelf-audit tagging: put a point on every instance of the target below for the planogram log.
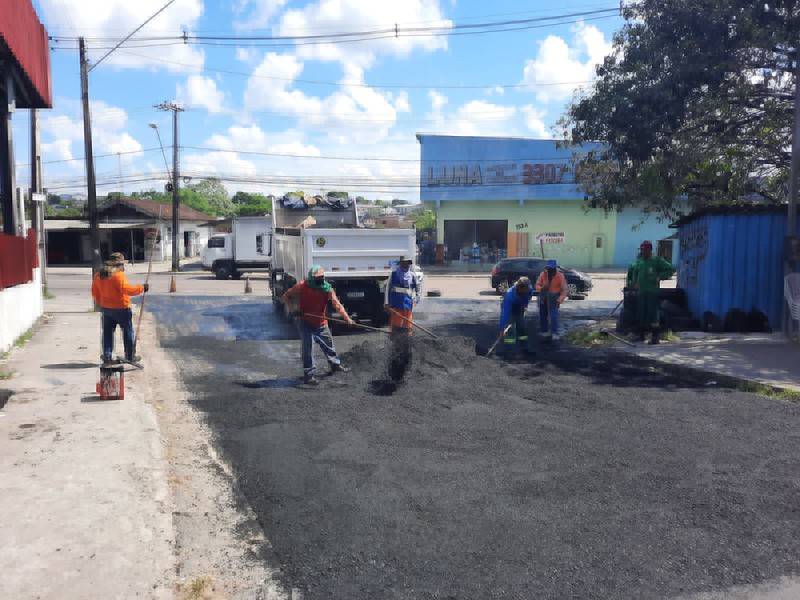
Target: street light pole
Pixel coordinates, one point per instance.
(176, 200)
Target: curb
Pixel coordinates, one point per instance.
(700, 376)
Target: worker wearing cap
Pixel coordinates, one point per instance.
(552, 288)
(308, 301)
(111, 290)
(402, 294)
(646, 277)
(512, 312)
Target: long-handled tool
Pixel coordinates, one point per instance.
(619, 339)
(407, 320)
(146, 282)
(497, 341)
(346, 323)
(611, 314)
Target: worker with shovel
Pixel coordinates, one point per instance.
(512, 315)
(402, 295)
(111, 290)
(309, 300)
(552, 288)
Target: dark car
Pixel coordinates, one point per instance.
(508, 270)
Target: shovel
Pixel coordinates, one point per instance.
(428, 331)
(497, 341)
(606, 332)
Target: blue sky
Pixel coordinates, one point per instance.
(316, 114)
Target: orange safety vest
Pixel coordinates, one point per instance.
(558, 285)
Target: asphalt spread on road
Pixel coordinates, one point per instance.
(561, 475)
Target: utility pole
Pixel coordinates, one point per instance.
(37, 205)
(176, 199)
(94, 226)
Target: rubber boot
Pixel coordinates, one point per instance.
(654, 338)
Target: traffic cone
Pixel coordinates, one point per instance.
(248, 289)
(172, 286)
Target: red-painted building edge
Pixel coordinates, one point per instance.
(27, 40)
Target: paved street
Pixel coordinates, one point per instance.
(563, 475)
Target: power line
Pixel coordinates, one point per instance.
(162, 9)
(395, 31)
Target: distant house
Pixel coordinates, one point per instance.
(124, 227)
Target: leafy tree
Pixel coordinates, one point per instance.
(398, 202)
(382, 203)
(695, 100)
(425, 220)
(215, 195)
(362, 200)
(338, 195)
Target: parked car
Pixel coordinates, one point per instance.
(508, 270)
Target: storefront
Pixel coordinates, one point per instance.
(498, 197)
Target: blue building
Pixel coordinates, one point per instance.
(518, 197)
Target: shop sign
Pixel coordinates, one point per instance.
(499, 174)
(551, 238)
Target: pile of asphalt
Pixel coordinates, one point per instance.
(414, 358)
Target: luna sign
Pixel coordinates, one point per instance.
(501, 174)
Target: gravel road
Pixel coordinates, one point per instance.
(563, 475)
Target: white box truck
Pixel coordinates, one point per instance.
(245, 250)
(358, 261)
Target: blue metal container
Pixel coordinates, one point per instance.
(732, 258)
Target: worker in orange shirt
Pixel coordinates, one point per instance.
(552, 288)
(111, 290)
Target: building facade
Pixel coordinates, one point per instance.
(504, 197)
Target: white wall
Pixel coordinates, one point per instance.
(20, 306)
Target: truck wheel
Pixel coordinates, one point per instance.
(380, 318)
(222, 272)
(236, 275)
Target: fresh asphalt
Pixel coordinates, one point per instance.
(559, 475)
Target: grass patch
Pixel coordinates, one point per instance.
(48, 296)
(24, 338)
(196, 590)
(587, 336)
(766, 391)
(670, 336)
(6, 374)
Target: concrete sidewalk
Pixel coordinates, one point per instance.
(86, 504)
(766, 359)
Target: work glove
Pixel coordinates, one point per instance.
(146, 287)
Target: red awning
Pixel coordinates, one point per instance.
(25, 38)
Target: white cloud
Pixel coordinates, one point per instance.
(477, 117)
(354, 113)
(258, 13)
(365, 15)
(534, 121)
(60, 149)
(558, 62)
(217, 163)
(201, 91)
(117, 19)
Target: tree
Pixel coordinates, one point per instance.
(362, 200)
(215, 195)
(398, 202)
(695, 100)
(382, 203)
(425, 220)
(253, 204)
(338, 195)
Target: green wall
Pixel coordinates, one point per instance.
(542, 216)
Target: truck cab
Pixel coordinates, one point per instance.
(219, 247)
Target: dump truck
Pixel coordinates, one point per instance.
(246, 249)
(358, 261)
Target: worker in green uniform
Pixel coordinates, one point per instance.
(646, 275)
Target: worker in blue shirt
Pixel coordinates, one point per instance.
(512, 312)
(402, 295)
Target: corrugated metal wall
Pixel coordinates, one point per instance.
(733, 261)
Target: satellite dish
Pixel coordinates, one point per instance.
(168, 187)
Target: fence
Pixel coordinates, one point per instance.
(19, 256)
